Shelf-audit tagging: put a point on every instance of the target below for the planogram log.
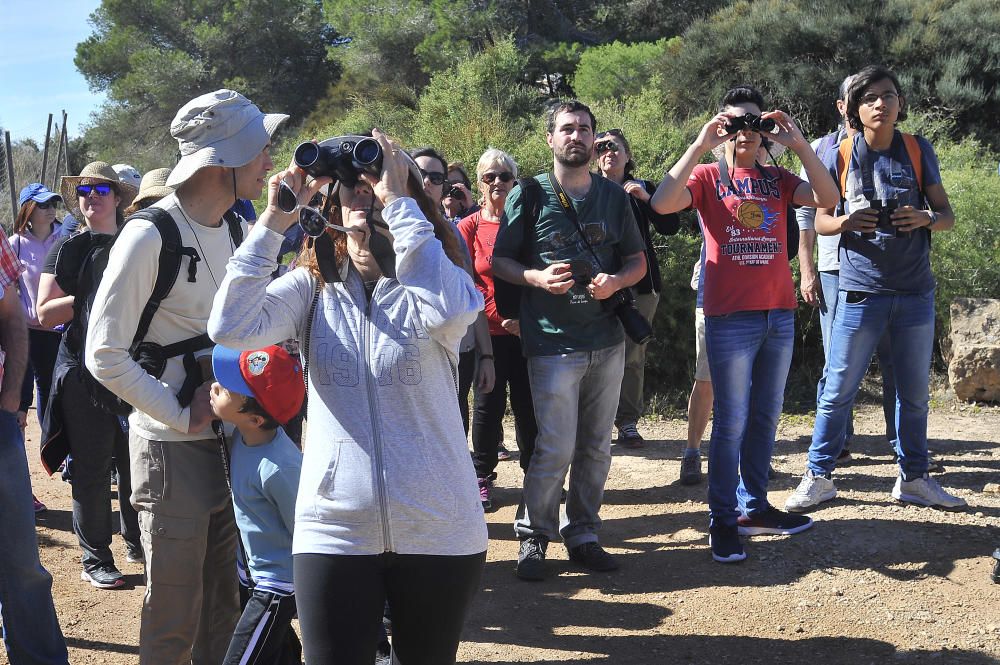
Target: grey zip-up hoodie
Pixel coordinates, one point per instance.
(386, 465)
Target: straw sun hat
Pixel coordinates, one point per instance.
(95, 171)
(221, 128)
(154, 186)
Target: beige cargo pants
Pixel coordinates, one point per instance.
(189, 537)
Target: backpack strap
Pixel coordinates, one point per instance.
(843, 163)
(915, 154)
(235, 221)
(532, 197)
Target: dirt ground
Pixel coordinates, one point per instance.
(873, 582)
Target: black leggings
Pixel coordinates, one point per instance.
(341, 598)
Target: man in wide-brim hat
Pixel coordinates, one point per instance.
(189, 533)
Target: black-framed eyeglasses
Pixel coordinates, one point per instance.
(436, 177)
(504, 176)
(605, 146)
(871, 98)
(47, 204)
(102, 189)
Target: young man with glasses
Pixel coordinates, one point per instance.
(891, 201)
(583, 246)
(188, 529)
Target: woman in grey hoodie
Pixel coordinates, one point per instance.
(388, 507)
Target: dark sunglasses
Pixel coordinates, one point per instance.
(436, 177)
(605, 146)
(506, 176)
(47, 205)
(102, 189)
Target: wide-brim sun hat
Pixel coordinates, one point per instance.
(99, 171)
(221, 128)
(154, 186)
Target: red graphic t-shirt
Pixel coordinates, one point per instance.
(746, 253)
(480, 234)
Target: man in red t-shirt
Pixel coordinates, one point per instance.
(749, 301)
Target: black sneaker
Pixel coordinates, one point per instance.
(531, 559)
(103, 576)
(593, 557)
(725, 544)
(134, 554)
(772, 521)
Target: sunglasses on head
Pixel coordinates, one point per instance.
(505, 176)
(102, 189)
(46, 205)
(436, 177)
(605, 146)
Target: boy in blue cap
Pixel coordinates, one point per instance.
(258, 391)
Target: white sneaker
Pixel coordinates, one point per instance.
(925, 491)
(812, 491)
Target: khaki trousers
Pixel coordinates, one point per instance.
(630, 400)
(189, 537)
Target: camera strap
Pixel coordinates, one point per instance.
(570, 211)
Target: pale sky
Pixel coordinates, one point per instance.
(37, 76)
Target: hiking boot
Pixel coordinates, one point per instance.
(844, 456)
(812, 491)
(103, 576)
(531, 559)
(134, 554)
(725, 544)
(629, 437)
(925, 491)
(485, 496)
(38, 505)
(691, 469)
(503, 455)
(772, 521)
(593, 557)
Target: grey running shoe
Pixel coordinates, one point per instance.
(812, 491)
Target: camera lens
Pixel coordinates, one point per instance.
(306, 155)
(367, 152)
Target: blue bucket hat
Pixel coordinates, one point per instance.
(36, 192)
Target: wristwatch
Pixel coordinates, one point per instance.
(934, 218)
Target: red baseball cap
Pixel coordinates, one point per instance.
(269, 375)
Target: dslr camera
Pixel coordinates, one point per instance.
(621, 302)
(453, 191)
(752, 122)
(342, 159)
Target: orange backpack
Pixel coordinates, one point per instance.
(912, 151)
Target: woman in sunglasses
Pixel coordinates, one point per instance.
(496, 172)
(614, 161)
(35, 231)
(93, 436)
(387, 506)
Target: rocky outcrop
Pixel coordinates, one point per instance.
(974, 370)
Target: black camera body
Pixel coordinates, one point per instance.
(622, 303)
(885, 209)
(752, 122)
(342, 159)
(454, 192)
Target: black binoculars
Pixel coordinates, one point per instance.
(885, 209)
(343, 161)
(752, 122)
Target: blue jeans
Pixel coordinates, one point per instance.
(862, 320)
(575, 397)
(830, 283)
(30, 628)
(749, 354)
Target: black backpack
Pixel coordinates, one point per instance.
(507, 296)
(151, 357)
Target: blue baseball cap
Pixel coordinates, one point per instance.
(38, 193)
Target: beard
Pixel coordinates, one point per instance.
(573, 156)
